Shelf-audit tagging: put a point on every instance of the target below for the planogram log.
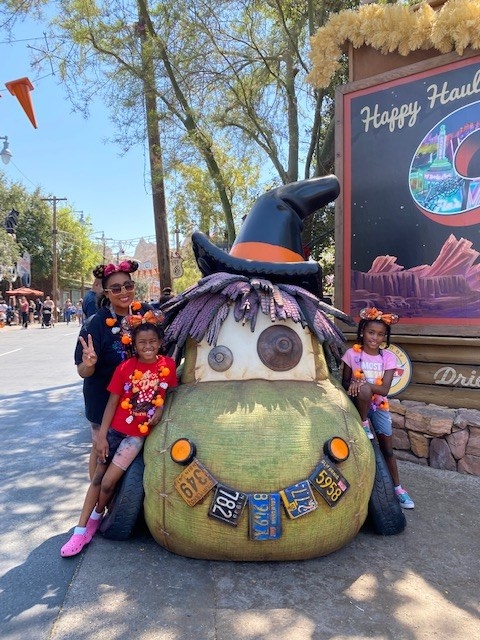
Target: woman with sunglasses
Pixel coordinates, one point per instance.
(99, 348)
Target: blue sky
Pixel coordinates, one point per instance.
(66, 155)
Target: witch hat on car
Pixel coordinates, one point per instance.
(269, 243)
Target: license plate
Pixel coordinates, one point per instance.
(329, 482)
(264, 516)
(194, 483)
(227, 505)
(298, 499)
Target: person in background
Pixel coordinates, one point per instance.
(96, 362)
(31, 312)
(79, 312)
(24, 311)
(137, 391)
(68, 310)
(39, 309)
(90, 299)
(367, 377)
(3, 312)
(47, 312)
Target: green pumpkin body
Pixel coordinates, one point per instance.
(256, 436)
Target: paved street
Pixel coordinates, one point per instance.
(42, 473)
(419, 585)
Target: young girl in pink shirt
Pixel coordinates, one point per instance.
(367, 377)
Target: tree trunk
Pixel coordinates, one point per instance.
(156, 161)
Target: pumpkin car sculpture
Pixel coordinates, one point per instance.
(260, 454)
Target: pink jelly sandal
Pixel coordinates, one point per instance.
(75, 544)
(92, 526)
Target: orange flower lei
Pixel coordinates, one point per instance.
(112, 322)
(359, 376)
(131, 388)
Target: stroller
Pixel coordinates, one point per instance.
(47, 317)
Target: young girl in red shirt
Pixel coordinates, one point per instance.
(137, 391)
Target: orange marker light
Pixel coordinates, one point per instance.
(337, 449)
(182, 451)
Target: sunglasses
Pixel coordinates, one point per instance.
(117, 288)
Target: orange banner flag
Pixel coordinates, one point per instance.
(21, 90)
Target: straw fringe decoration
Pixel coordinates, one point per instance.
(394, 27)
(200, 311)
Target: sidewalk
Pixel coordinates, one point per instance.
(423, 584)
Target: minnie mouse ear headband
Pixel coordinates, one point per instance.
(371, 313)
(131, 322)
(105, 270)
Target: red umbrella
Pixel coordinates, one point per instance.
(24, 291)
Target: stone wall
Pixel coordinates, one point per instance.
(436, 436)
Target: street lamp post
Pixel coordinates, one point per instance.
(54, 201)
(5, 153)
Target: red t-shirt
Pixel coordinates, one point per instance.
(139, 387)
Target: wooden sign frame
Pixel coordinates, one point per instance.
(384, 125)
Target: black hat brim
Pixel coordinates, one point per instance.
(210, 259)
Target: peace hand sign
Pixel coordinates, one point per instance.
(89, 357)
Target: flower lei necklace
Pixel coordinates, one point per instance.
(359, 376)
(113, 321)
(142, 395)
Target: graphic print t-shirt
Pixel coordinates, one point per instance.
(372, 366)
(147, 385)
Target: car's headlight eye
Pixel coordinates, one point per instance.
(220, 358)
(279, 348)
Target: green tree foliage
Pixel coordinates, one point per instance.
(9, 254)
(191, 272)
(193, 200)
(222, 69)
(33, 231)
(77, 254)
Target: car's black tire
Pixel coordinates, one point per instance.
(126, 505)
(385, 515)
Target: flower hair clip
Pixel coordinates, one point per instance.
(126, 266)
(372, 313)
(131, 322)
